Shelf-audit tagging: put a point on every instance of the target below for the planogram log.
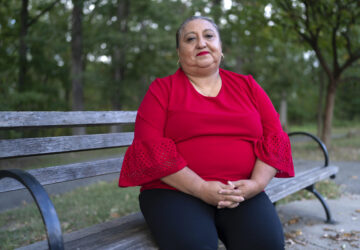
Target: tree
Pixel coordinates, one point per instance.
(77, 60)
(331, 29)
(126, 44)
(25, 23)
(22, 46)
(119, 53)
(253, 45)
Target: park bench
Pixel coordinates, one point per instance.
(128, 232)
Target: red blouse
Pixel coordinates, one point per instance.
(219, 138)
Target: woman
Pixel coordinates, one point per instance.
(207, 142)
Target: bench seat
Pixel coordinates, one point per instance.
(131, 232)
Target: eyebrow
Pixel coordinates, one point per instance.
(192, 32)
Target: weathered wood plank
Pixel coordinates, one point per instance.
(131, 232)
(69, 172)
(125, 233)
(280, 188)
(61, 144)
(128, 232)
(62, 119)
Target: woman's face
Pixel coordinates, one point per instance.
(199, 46)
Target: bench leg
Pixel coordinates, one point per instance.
(329, 218)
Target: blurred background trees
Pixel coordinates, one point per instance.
(103, 54)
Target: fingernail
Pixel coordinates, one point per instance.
(230, 183)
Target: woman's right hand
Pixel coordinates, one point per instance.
(210, 192)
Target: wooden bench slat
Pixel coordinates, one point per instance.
(280, 188)
(69, 172)
(131, 232)
(128, 232)
(62, 119)
(61, 144)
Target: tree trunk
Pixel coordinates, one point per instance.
(320, 108)
(77, 61)
(119, 58)
(120, 52)
(118, 78)
(23, 46)
(283, 110)
(329, 111)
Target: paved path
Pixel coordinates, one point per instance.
(305, 228)
(349, 176)
(303, 221)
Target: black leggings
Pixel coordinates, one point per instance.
(181, 221)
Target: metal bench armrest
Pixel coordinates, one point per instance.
(317, 139)
(43, 202)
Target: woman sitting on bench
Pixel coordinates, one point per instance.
(207, 142)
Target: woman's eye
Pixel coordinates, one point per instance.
(209, 35)
(189, 39)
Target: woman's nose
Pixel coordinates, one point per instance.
(201, 43)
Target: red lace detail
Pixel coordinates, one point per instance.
(275, 150)
(149, 160)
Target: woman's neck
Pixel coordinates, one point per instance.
(207, 85)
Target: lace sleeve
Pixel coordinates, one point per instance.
(275, 150)
(149, 160)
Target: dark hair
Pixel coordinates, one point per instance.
(178, 32)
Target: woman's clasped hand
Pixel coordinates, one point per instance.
(230, 195)
(218, 194)
(238, 192)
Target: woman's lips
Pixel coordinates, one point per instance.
(202, 53)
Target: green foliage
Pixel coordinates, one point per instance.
(348, 101)
(254, 42)
(330, 29)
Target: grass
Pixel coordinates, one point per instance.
(103, 201)
(345, 145)
(327, 188)
(23, 225)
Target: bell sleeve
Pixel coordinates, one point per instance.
(151, 156)
(273, 147)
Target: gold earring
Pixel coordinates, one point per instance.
(222, 56)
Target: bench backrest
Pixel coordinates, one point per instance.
(24, 147)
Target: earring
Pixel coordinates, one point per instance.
(178, 62)
(222, 56)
